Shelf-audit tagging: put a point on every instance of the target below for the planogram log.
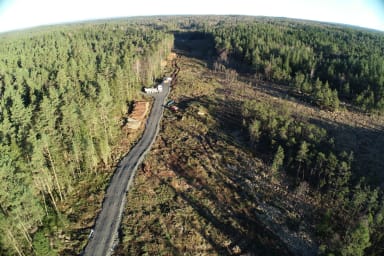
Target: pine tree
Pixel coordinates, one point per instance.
(278, 159)
(357, 240)
(301, 158)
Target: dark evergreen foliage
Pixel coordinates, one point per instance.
(307, 154)
(62, 92)
(349, 63)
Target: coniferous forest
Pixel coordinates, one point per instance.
(64, 90)
(324, 62)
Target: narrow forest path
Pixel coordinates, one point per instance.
(105, 232)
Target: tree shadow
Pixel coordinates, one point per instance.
(243, 225)
(195, 44)
(243, 229)
(367, 145)
(240, 224)
(365, 142)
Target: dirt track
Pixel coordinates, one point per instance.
(105, 233)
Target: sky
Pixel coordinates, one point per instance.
(18, 14)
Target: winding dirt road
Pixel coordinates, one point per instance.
(105, 232)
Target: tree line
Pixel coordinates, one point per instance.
(349, 62)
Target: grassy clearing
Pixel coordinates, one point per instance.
(200, 190)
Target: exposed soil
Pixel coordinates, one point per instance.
(139, 111)
(201, 191)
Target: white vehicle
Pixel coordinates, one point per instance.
(91, 234)
(167, 79)
(151, 90)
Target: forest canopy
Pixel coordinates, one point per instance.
(64, 89)
(327, 62)
(62, 92)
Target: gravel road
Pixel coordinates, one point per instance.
(105, 232)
